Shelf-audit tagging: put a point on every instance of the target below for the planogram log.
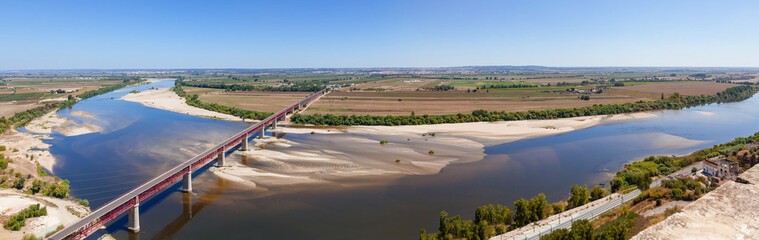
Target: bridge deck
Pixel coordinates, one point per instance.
(85, 226)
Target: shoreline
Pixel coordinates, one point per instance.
(339, 154)
(165, 99)
(334, 154)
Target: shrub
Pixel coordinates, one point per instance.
(83, 202)
(431, 152)
(18, 221)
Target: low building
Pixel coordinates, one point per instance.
(722, 168)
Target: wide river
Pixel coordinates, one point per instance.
(139, 142)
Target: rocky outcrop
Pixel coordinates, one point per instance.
(728, 212)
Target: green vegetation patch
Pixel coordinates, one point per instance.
(18, 221)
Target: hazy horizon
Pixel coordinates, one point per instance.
(230, 34)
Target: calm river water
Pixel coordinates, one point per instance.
(139, 142)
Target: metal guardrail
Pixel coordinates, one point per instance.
(112, 209)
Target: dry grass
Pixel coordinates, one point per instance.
(685, 88)
(250, 100)
(7, 109)
(397, 102)
(397, 84)
(387, 103)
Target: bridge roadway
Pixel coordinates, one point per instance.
(130, 200)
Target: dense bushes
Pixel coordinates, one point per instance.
(193, 100)
(18, 221)
(675, 101)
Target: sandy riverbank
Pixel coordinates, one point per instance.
(332, 154)
(335, 153)
(52, 122)
(165, 99)
(59, 212)
(25, 147)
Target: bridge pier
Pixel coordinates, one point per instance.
(220, 158)
(244, 143)
(187, 180)
(274, 124)
(134, 217)
(261, 133)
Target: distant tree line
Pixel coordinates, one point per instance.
(515, 85)
(440, 88)
(676, 101)
(193, 100)
(296, 87)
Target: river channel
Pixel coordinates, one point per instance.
(138, 143)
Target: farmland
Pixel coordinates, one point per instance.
(442, 91)
(503, 99)
(19, 93)
(252, 100)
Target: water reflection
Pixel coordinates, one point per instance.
(138, 143)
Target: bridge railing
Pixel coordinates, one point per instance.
(119, 205)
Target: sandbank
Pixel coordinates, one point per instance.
(52, 122)
(163, 98)
(334, 154)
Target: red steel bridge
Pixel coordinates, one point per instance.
(130, 201)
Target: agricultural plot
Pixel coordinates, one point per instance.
(501, 99)
(261, 101)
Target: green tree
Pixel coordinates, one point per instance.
(539, 207)
(597, 193)
(522, 212)
(582, 230)
(579, 196)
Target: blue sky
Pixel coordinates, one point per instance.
(382, 33)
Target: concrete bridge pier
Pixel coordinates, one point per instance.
(244, 143)
(220, 158)
(134, 217)
(261, 133)
(187, 180)
(274, 124)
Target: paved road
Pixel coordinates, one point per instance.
(566, 222)
(593, 211)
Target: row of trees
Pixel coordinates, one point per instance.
(676, 101)
(493, 220)
(295, 87)
(440, 88)
(515, 85)
(193, 100)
